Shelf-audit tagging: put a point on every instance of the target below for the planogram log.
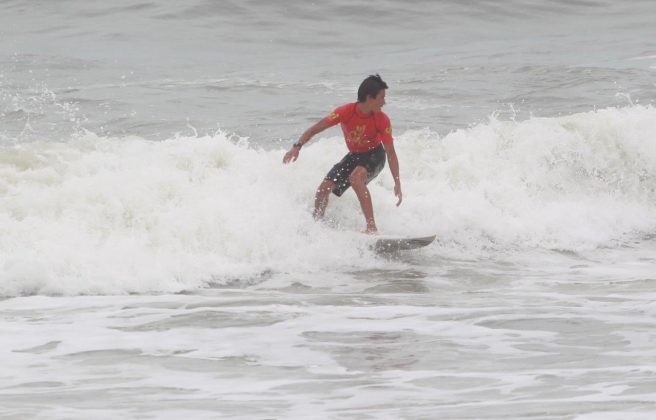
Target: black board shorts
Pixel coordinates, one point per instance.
(373, 161)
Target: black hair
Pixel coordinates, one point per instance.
(370, 87)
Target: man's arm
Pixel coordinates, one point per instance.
(394, 168)
(317, 128)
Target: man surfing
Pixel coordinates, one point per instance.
(368, 135)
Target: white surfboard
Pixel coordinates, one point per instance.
(390, 245)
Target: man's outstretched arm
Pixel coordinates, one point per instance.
(317, 128)
(394, 168)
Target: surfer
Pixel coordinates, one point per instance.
(368, 135)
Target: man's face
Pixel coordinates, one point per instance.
(379, 100)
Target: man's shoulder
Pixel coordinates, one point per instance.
(344, 112)
(347, 107)
(382, 117)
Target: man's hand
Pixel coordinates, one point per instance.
(291, 156)
(398, 193)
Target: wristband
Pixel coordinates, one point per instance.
(298, 144)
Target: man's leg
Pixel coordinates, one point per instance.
(358, 180)
(321, 198)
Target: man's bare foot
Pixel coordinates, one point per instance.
(370, 231)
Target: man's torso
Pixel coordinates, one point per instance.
(361, 132)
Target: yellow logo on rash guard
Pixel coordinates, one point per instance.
(388, 130)
(333, 116)
(355, 136)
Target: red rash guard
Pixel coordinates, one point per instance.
(361, 132)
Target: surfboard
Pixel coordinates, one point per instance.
(390, 245)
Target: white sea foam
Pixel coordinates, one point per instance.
(575, 182)
(110, 215)
(96, 215)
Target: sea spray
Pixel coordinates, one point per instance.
(96, 215)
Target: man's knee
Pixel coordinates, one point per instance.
(326, 187)
(358, 176)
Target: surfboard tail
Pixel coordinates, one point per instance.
(388, 245)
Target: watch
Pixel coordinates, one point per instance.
(298, 144)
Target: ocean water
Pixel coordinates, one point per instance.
(157, 260)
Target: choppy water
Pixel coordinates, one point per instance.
(158, 261)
